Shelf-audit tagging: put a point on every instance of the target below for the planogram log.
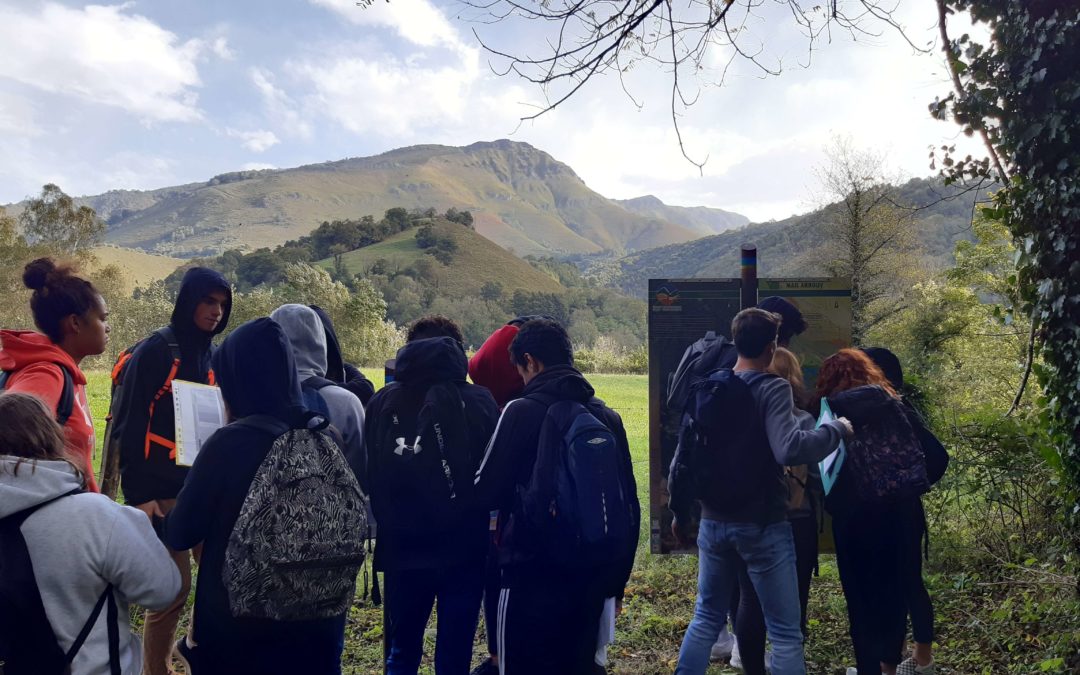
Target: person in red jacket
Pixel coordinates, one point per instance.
(73, 320)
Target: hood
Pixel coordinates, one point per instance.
(793, 324)
(256, 371)
(491, 366)
(862, 404)
(197, 283)
(20, 348)
(335, 362)
(562, 382)
(306, 335)
(438, 359)
(35, 483)
(889, 364)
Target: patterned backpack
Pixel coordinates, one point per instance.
(298, 542)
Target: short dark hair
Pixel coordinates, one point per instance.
(753, 330)
(546, 340)
(434, 325)
(58, 293)
(793, 323)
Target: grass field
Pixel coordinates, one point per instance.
(660, 596)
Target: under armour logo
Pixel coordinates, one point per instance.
(414, 449)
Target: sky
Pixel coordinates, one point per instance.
(154, 93)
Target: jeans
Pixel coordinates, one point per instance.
(410, 595)
(769, 555)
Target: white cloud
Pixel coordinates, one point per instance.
(17, 116)
(102, 54)
(220, 47)
(418, 21)
(280, 107)
(258, 140)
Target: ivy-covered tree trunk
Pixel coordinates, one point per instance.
(1022, 91)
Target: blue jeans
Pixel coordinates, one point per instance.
(410, 595)
(769, 555)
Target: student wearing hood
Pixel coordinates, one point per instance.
(73, 320)
(145, 430)
(337, 370)
(257, 376)
(309, 347)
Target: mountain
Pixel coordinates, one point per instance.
(521, 198)
(476, 261)
(702, 219)
(942, 216)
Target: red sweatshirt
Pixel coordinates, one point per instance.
(34, 363)
(491, 367)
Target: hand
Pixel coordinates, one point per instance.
(618, 607)
(151, 509)
(680, 535)
(847, 430)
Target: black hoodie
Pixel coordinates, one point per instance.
(145, 477)
(508, 465)
(420, 364)
(257, 375)
(337, 370)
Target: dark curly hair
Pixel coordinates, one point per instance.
(58, 293)
(434, 325)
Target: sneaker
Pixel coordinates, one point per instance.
(182, 653)
(736, 658)
(909, 667)
(724, 644)
(485, 668)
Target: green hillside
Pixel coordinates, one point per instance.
(784, 246)
(522, 198)
(476, 262)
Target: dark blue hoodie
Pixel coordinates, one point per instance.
(146, 476)
(419, 545)
(257, 375)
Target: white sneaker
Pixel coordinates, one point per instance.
(724, 644)
(736, 658)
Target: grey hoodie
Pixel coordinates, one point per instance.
(308, 339)
(80, 544)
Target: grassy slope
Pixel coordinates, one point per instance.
(477, 261)
(660, 596)
(139, 267)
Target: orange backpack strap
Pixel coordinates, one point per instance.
(165, 388)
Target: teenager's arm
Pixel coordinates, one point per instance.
(144, 374)
(197, 504)
(137, 564)
(495, 479)
(44, 380)
(790, 442)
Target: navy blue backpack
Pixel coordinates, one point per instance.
(579, 501)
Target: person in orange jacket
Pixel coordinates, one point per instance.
(73, 320)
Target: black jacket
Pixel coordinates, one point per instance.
(257, 375)
(509, 461)
(156, 476)
(337, 369)
(420, 364)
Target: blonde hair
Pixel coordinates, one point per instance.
(30, 432)
(786, 365)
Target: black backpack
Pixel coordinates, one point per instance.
(313, 400)
(425, 471)
(65, 405)
(724, 458)
(701, 358)
(579, 503)
(27, 643)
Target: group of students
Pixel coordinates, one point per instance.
(746, 474)
(515, 491)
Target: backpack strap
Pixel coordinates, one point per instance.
(111, 616)
(65, 405)
(169, 335)
(317, 383)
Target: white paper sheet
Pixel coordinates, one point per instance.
(200, 411)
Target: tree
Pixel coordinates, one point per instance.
(491, 291)
(586, 38)
(54, 221)
(869, 238)
(1019, 90)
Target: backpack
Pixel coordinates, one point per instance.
(579, 502)
(885, 459)
(425, 470)
(700, 358)
(27, 643)
(65, 405)
(313, 400)
(298, 542)
(723, 444)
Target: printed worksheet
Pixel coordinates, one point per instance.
(200, 411)
(831, 465)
